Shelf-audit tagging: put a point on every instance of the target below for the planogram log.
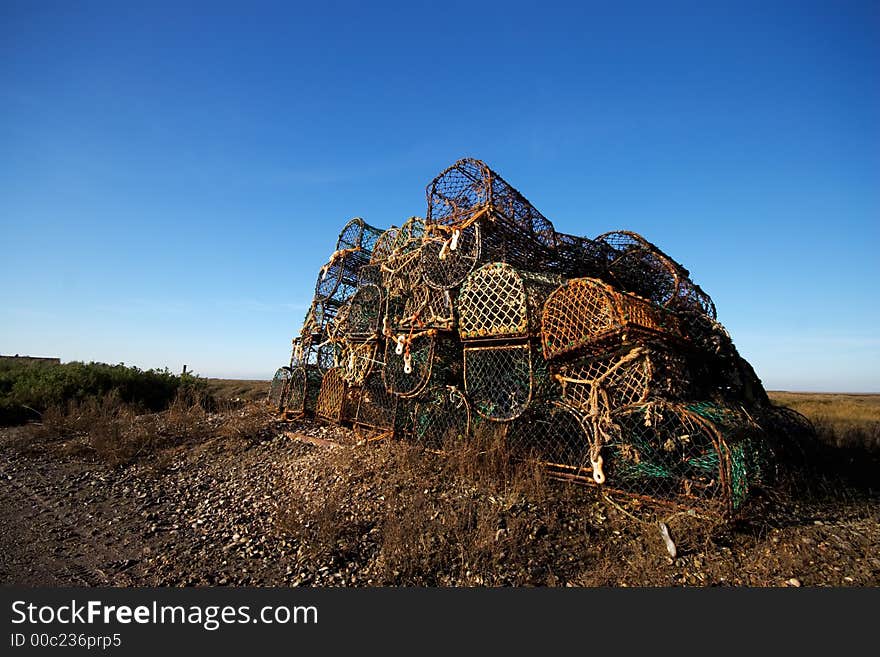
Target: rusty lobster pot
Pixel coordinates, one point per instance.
(337, 401)
(588, 316)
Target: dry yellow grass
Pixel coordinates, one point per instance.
(843, 420)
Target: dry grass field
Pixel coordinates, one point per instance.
(841, 420)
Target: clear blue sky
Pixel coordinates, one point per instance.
(172, 175)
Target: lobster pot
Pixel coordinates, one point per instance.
(588, 316)
(498, 301)
(337, 401)
(469, 187)
(384, 245)
(627, 376)
(576, 257)
(433, 360)
(640, 267)
(320, 356)
(441, 418)
(320, 320)
(719, 372)
(370, 274)
(357, 360)
(394, 239)
(448, 256)
(402, 269)
(377, 408)
(279, 389)
(421, 307)
(338, 279)
(358, 234)
(364, 316)
(555, 434)
(698, 456)
(501, 381)
(791, 435)
(305, 383)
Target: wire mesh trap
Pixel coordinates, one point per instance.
(304, 386)
(469, 187)
(358, 359)
(555, 434)
(416, 361)
(421, 307)
(702, 455)
(640, 267)
(588, 316)
(338, 279)
(475, 217)
(377, 408)
(337, 401)
(440, 419)
(598, 357)
(365, 311)
(630, 375)
(502, 380)
(279, 389)
(498, 301)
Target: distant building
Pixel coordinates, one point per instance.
(30, 359)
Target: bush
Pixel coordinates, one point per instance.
(29, 389)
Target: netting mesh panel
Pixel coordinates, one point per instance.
(440, 418)
(719, 372)
(499, 301)
(279, 389)
(384, 244)
(432, 360)
(469, 186)
(424, 307)
(445, 268)
(587, 315)
(377, 408)
(358, 234)
(553, 433)
(338, 279)
(791, 435)
(337, 401)
(501, 381)
(364, 317)
(577, 257)
(305, 384)
(699, 455)
(642, 268)
(630, 375)
(357, 360)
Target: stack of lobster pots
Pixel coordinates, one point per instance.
(598, 357)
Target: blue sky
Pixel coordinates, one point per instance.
(172, 175)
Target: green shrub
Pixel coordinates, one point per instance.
(28, 389)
